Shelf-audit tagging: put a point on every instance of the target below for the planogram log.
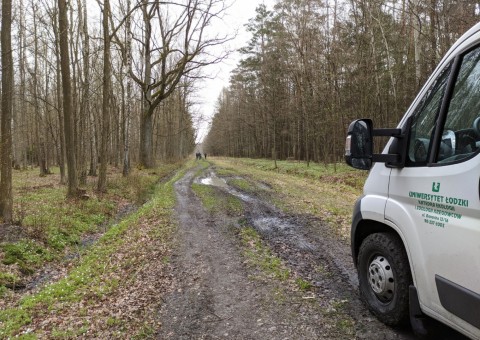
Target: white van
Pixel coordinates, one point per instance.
(416, 229)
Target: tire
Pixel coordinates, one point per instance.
(384, 278)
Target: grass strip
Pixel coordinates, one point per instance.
(118, 261)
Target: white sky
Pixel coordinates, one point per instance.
(235, 18)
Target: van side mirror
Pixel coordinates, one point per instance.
(359, 144)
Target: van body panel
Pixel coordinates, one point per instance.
(435, 207)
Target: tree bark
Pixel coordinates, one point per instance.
(85, 101)
(146, 140)
(102, 175)
(6, 196)
(67, 100)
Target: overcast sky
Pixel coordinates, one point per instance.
(235, 19)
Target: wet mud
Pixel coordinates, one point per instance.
(218, 297)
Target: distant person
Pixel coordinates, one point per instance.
(205, 155)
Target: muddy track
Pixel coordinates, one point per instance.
(217, 297)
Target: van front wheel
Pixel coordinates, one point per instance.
(384, 277)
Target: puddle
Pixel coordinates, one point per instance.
(214, 181)
(269, 225)
(240, 195)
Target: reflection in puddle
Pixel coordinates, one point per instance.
(215, 181)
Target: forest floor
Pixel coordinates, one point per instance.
(225, 249)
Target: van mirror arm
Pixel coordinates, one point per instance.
(388, 133)
(391, 159)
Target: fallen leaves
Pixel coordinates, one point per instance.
(111, 291)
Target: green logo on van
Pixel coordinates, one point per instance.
(436, 186)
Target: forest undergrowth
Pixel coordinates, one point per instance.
(66, 265)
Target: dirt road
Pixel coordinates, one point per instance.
(229, 264)
(219, 294)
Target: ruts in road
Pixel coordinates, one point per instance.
(220, 292)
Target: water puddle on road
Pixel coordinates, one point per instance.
(214, 181)
(268, 225)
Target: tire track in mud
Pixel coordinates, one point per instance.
(312, 250)
(215, 298)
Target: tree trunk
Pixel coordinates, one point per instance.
(128, 104)
(67, 99)
(146, 140)
(102, 177)
(85, 102)
(61, 129)
(417, 26)
(6, 197)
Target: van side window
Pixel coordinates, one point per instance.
(461, 133)
(424, 120)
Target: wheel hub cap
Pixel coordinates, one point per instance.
(381, 279)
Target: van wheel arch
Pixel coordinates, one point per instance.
(362, 230)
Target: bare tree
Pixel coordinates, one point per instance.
(174, 44)
(67, 99)
(61, 134)
(128, 105)
(6, 197)
(85, 101)
(102, 178)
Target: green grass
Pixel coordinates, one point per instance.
(52, 223)
(8, 279)
(215, 201)
(242, 184)
(94, 276)
(303, 284)
(207, 196)
(259, 255)
(27, 254)
(336, 173)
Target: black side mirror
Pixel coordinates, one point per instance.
(359, 144)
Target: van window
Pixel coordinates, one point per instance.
(424, 120)
(461, 132)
